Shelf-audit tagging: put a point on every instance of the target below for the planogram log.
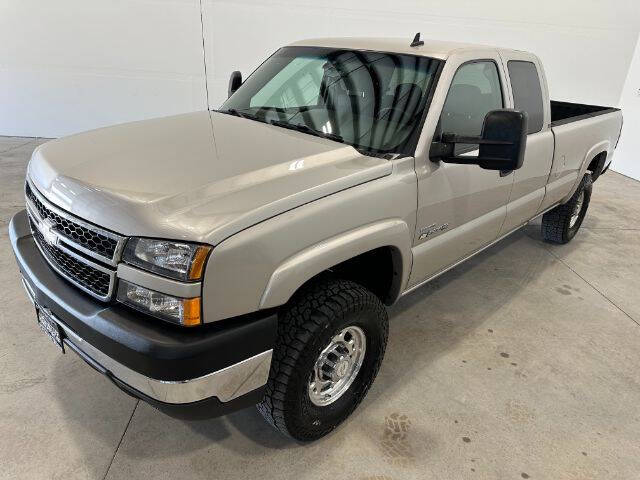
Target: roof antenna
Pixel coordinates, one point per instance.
(416, 41)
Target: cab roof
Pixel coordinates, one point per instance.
(431, 48)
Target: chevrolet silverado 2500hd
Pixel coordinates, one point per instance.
(209, 261)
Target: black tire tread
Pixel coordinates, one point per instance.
(309, 311)
(555, 223)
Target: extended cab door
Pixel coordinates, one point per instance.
(528, 92)
(460, 207)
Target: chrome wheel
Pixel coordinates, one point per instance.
(576, 210)
(337, 366)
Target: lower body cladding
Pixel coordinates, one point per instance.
(200, 372)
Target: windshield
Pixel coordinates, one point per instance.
(371, 100)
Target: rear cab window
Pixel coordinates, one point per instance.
(527, 92)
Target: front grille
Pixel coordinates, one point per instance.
(84, 275)
(90, 239)
(83, 253)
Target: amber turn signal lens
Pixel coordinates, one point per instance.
(183, 311)
(197, 264)
(191, 312)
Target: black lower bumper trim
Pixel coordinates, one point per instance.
(201, 410)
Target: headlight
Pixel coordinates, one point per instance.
(179, 260)
(183, 311)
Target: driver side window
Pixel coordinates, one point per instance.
(475, 91)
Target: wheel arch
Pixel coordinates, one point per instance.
(596, 165)
(382, 247)
(593, 155)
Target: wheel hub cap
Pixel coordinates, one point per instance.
(342, 368)
(337, 366)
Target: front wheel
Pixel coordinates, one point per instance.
(562, 223)
(331, 341)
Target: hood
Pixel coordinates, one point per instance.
(201, 176)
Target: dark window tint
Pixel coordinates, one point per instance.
(527, 94)
(475, 91)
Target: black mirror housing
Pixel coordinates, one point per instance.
(234, 82)
(501, 145)
(510, 128)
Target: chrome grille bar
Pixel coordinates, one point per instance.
(91, 271)
(91, 235)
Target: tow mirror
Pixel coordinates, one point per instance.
(501, 145)
(234, 82)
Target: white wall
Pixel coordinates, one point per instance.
(71, 65)
(627, 157)
(586, 45)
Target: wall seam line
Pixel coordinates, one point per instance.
(204, 56)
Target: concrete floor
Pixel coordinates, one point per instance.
(522, 363)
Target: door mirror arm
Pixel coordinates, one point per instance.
(440, 150)
(453, 138)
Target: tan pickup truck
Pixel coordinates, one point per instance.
(210, 261)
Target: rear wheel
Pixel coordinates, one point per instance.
(331, 341)
(562, 223)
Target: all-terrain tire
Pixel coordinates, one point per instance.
(306, 325)
(562, 223)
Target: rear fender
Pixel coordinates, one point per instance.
(596, 150)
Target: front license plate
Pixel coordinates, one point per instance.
(49, 326)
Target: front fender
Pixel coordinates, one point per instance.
(263, 265)
(301, 267)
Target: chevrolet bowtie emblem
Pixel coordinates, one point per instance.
(46, 229)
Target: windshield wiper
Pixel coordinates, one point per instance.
(306, 129)
(237, 113)
(279, 123)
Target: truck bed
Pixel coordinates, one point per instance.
(584, 138)
(565, 112)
